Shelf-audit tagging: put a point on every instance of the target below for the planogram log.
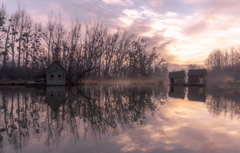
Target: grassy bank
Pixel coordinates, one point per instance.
(153, 82)
(229, 83)
(7, 82)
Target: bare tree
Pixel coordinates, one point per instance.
(6, 47)
(5, 28)
(49, 34)
(23, 22)
(193, 66)
(15, 19)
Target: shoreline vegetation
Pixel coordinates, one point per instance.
(88, 82)
(229, 83)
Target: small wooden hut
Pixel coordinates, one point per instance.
(197, 76)
(177, 78)
(56, 74)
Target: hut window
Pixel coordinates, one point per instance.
(51, 95)
(59, 76)
(59, 95)
(51, 76)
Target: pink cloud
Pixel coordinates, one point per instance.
(156, 3)
(196, 28)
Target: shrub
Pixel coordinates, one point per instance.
(229, 80)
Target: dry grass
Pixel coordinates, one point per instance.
(229, 80)
(12, 82)
(90, 82)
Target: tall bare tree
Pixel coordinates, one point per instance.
(51, 24)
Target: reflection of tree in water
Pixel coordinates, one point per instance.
(111, 109)
(226, 102)
(25, 115)
(14, 121)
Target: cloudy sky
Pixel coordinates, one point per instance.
(184, 31)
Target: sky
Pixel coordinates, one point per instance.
(183, 31)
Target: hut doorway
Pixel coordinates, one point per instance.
(172, 82)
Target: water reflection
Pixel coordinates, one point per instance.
(197, 94)
(218, 101)
(193, 93)
(53, 114)
(224, 102)
(55, 97)
(177, 92)
(50, 114)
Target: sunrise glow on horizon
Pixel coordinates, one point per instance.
(184, 31)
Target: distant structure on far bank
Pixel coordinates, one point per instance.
(55, 74)
(177, 78)
(196, 77)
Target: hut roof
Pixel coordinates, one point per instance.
(197, 72)
(177, 74)
(55, 62)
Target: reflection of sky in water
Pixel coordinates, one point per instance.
(179, 125)
(182, 126)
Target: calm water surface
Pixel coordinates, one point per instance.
(119, 119)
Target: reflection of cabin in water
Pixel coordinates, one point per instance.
(197, 94)
(55, 74)
(177, 78)
(177, 92)
(197, 76)
(55, 97)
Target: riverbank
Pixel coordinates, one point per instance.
(89, 82)
(7, 82)
(227, 85)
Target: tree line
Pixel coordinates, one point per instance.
(224, 63)
(28, 47)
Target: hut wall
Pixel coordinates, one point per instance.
(193, 79)
(197, 79)
(205, 79)
(197, 76)
(55, 70)
(180, 80)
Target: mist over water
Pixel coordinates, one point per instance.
(118, 118)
